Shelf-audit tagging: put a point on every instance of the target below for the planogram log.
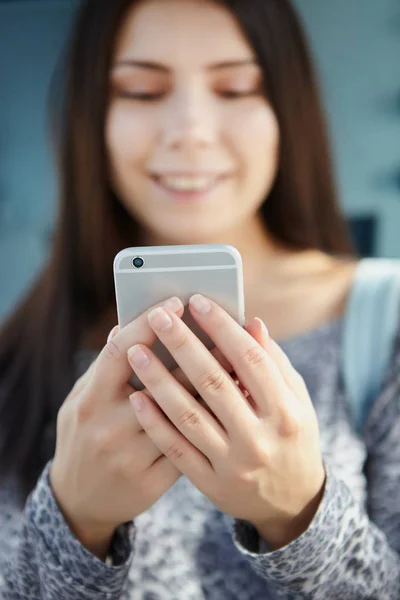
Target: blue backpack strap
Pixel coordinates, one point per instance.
(370, 326)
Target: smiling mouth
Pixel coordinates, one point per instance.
(187, 183)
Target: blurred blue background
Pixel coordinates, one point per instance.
(357, 46)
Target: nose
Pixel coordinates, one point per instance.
(190, 120)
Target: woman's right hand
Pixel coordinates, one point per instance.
(106, 470)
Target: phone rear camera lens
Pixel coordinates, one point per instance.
(138, 262)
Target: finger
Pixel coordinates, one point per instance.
(112, 368)
(197, 425)
(81, 383)
(124, 426)
(124, 421)
(174, 446)
(147, 451)
(181, 377)
(254, 367)
(259, 331)
(163, 474)
(211, 381)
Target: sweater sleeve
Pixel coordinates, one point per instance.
(349, 551)
(41, 559)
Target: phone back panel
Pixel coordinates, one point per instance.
(212, 270)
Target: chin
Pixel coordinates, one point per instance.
(192, 233)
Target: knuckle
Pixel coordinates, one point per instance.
(254, 356)
(248, 479)
(290, 423)
(244, 476)
(104, 441)
(190, 417)
(180, 342)
(174, 452)
(112, 351)
(124, 465)
(83, 412)
(155, 380)
(214, 382)
(84, 407)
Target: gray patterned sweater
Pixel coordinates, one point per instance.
(184, 549)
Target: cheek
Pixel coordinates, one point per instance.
(128, 137)
(256, 137)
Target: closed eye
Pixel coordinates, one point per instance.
(143, 97)
(230, 95)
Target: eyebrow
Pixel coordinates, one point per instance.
(154, 66)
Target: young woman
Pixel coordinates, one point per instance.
(191, 121)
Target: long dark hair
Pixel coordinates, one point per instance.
(39, 340)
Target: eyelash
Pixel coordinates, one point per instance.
(236, 95)
(156, 97)
(142, 97)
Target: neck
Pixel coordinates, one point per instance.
(259, 252)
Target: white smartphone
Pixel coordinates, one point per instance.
(148, 275)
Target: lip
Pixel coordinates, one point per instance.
(191, 197)
(210, 174)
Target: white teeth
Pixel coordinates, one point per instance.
(187, 184)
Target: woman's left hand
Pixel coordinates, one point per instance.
(256, 452)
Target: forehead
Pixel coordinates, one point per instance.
(182, 32)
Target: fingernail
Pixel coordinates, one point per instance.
(174, 304)
(264, 327)
(159, 319)
(139, 356)
(200, 304)
(113, 333)
(137, 402)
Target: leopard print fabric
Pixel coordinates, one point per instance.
(184, 549)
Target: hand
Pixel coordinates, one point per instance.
(106, 470)
(256, 453)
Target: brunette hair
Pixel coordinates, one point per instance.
(41, 337)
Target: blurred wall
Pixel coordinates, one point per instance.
(357, 43)
(31, 37)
